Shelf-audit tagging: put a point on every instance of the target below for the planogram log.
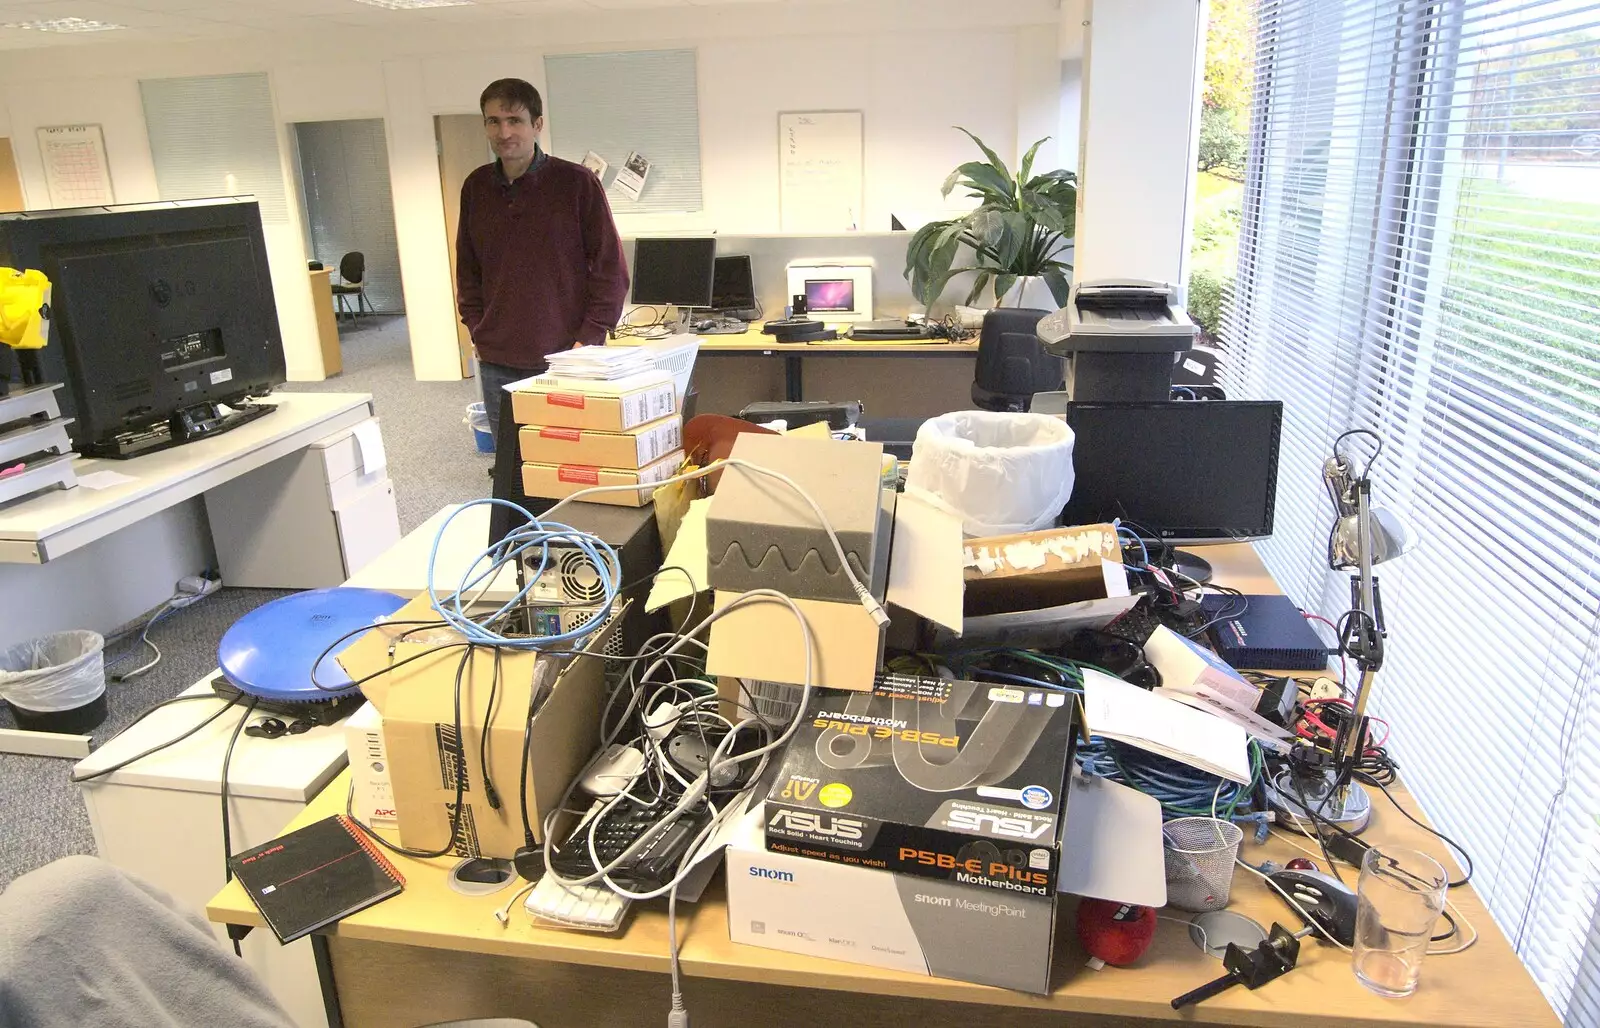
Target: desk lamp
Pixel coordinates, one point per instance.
(1362, 536)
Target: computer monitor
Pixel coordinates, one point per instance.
(1184, 471)
(161, 312)
(830, 295)
(733, 286)
(674, 272)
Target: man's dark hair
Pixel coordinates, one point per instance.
(513, 93)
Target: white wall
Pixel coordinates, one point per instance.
(914, 68)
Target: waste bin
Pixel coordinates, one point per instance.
(56, 683)
(478, 419)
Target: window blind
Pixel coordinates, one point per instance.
(344, 175)
(215, 135)
(614, 103)
(1420, 255)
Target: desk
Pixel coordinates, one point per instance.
(435, 955)
(97, 558)
(755, 344)
(327, 321)
(403, 568)
(159, 818)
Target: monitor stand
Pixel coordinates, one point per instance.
(1191, 566)
(200, 421)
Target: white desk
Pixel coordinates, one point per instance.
(403, 568)
(161, 818)
(97, 558)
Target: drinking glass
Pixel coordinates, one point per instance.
(1398, 902)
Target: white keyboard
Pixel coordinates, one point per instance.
(592, 907)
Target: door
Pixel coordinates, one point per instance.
(462, 147)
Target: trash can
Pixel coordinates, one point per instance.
(478, 420)
(56, 683)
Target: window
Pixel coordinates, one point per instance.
(214, 135)
(617, 103)
(1420, 255)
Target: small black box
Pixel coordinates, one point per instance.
(959, 781)
(1269, 633)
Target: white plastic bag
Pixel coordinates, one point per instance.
(57, 672)
(1000, 473)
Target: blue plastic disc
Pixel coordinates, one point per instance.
(268, 652)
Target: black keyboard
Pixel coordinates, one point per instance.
(652, 866)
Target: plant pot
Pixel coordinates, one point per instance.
(1031, 291)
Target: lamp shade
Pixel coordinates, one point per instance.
(1390, 539)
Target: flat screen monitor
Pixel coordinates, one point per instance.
(733, 285)
(830, 294)
(157, 309)
(674, 272)
(1184, 471)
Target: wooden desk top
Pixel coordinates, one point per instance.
(754, 341)
(1483, 987)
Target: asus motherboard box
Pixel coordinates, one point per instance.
(903, 922)
(959, 781)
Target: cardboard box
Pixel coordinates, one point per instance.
(614, 406)
(558, 480)
(417, 703)
(825, 909)
(373, 794)
(959, 781)
(925, 578)
(635, 448)
(763, 640)
(1036, 570)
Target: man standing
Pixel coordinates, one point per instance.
(539, 264)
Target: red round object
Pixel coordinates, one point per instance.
(1117, 933)
(1301, 864)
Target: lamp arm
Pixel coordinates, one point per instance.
(1363, 638)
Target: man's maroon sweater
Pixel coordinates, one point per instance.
(539, 264)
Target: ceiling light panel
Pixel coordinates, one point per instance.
(63, 25)
(414, 5)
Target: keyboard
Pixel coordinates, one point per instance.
(888, 330)
(724, 328)
(650, 868)
(593, 907)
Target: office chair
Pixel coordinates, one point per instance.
(1012, 363)
(88, 945)
(352, 276)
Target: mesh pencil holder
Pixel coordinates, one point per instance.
(1199, 853)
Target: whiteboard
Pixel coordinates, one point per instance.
(75, 169)
(819, 165)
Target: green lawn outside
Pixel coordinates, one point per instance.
(1524, 276)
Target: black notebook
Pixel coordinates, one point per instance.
(315, 876)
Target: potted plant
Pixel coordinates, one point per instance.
(1016, 237)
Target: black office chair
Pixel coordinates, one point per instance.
(1012, 363)
(352, 282)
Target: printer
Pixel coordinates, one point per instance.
(1122, 337)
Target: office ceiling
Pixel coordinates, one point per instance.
(173, 21)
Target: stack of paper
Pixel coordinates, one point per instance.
(1194, 675)
(1126, 713)
(601, 363)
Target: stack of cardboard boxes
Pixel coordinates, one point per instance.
(575, 434)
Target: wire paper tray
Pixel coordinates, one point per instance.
(56, 471)
(31, 437)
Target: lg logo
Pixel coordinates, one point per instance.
(164, 292)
